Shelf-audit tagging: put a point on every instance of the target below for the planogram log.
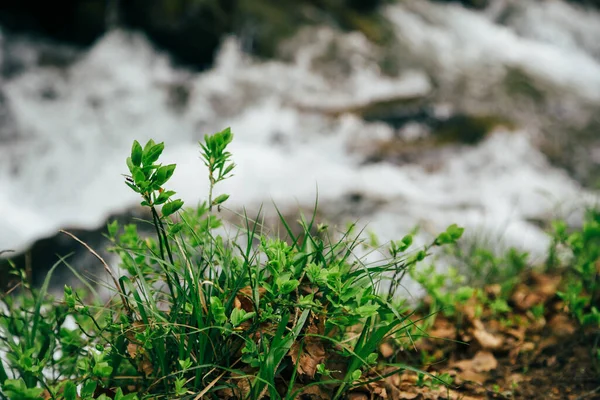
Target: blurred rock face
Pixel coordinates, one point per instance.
(75, 21)
(191, 30)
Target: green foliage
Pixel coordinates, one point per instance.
(581, 252)
(200, 314)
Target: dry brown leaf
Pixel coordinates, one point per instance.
(547, 285)
(485, 339)
(358, 396)
(484, 361)
(472, 376)
(443, 329)
(518, 333)
(312, 353)
(524, 299)
(312, 393)
(386, 350)
(244, 298)
(493, 290)
(407, 395)
(561, 325)
(146, 366)
(132, 349)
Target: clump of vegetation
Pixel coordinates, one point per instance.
(199, 315)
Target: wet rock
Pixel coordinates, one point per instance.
(74, 21)
(192, 30)
(8, 125)
(39, 258)
(20, 51)
(588, 3)
(467, 129)
(437, 139)
(261, 24)
(477, 4)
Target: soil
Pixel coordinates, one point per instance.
(515, 355)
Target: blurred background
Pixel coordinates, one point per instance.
(397, 113)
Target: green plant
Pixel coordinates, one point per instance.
(198, 314)
(580, 250)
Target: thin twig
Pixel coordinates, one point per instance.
(106, 267)
(213, 383)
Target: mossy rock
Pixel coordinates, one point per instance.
(477, 4)
(467, 129)
(192, 30)
(518, 83)
(589, 3)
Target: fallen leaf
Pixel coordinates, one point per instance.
(358, 396)
(443, 329)
(484, 361)
(561, 325)
(311, 354)
(493, 290)
(244, 298)
(407, 395)
(386, 350)
(485, 339)
(312, 393)
(524, 299)
(546, 285)
(473, 376)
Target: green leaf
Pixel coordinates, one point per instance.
(176, 228)
(368, 310)
(228, 169)
(356, 375)
(455, 231)
(443, 238)
(112, 228)
(102, 369)
(136, 153)
(289, 286)
(152, 154)
(163, 174)
(220, 199)
(163, 197)
(172, 207)
(138, 176)
(88, 389)
(238, 316)
(129, 164)
(405, 243)
(18, 390)
(217, 310)
(185, 364)
(70, 391)
(132, 187)
(464, 293)
(149, 144)
(372, 358)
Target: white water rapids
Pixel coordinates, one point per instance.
(71, 127)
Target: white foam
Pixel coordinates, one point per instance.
(66, 169)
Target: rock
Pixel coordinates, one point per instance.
(39, 258)
(75, 21)
(477, 4)
(192, 30)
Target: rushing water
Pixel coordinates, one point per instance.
(68, 124)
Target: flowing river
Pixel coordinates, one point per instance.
(68, 118)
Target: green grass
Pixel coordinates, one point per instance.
(199, 315)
